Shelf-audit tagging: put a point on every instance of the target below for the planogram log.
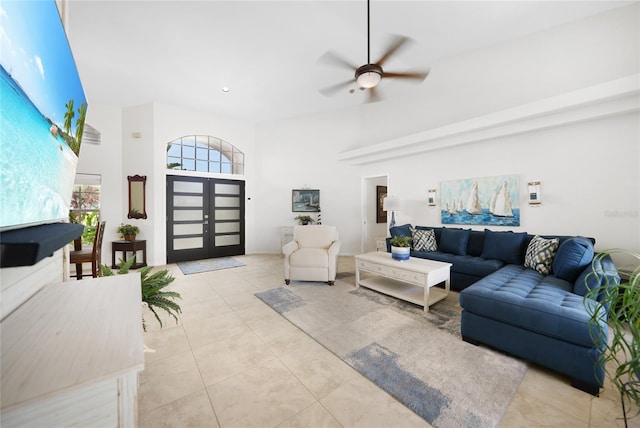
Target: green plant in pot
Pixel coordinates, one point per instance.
(304, 219)
(618, 299)
(400, 247)
(128, 232)
(152, 289)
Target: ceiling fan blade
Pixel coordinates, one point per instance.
(331, 58)
(374, 95)
(415, 75)
(330, 90)
(394, 46)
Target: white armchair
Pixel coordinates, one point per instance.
(312, 255)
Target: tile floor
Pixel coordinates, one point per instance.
(232, 361)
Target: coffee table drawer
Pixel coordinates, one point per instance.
(404, 275)
(372, 267)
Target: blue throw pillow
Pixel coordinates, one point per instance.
(404, 230)
(590, 278)
(454, 241)
(573, 256)
(505, 246)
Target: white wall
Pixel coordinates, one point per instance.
(588, 170)
(589, 175)
(570, 161)
(106, 159)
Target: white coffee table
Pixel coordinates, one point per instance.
(410, 280)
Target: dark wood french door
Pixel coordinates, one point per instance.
(205, 218)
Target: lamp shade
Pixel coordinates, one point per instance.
(391, 203)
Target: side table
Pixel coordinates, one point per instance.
(132, 247)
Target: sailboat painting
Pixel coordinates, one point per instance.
(487, 200)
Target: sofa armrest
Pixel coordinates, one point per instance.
(334, 249)
(289, 247)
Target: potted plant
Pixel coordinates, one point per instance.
(152, 285)
(619, 305)
(401, 247)
(304, 219)
(128, 232)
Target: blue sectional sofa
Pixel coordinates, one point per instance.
(524, 294)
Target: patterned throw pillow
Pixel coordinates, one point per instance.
(424, 240)
(540, 254)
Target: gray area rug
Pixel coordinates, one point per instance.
(207, 265)
(420, 359)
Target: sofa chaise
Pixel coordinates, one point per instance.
(524, 294)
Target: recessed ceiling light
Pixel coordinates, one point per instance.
(225, 89)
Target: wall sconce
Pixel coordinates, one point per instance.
(534, 193)
(431, 197)
(391, 203)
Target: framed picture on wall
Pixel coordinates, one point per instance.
(381, 214)
(305, 200)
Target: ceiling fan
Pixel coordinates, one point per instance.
(369, 75)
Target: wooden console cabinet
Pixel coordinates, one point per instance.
(71, 355)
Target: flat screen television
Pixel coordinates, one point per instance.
(42, 113)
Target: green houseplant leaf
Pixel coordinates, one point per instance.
(152, 289)
(401, 241)
(618, 304)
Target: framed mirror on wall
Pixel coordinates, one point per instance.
(137, 196)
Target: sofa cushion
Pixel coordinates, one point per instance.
(573, 256)
(505, 246)
(403, 230)
(468, 265)
(540, 254)
(527, 299)
(423, 240)
(454, 241)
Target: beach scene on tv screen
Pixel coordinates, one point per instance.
(42, 115)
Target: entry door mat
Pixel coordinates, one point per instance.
(207, 265)
(419, 358)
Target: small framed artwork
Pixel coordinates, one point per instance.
(381, 214)
(431, 197)
(305, 200)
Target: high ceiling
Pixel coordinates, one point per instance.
(266, 52)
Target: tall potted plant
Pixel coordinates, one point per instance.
(619, 304)
(401, 247)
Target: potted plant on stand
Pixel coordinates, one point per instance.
(304, 219)
(400, 247)
(619, 305)
(128, 232)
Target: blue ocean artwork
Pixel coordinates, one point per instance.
(42, 115)
(487, 201)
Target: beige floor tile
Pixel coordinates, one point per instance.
(228, 357)
(320, 371)
(203, 308)
(242, 301)
(362, 404)
(192, 411)
(262, 397)
(213, 329)
(608, 413)
(274, 370)
(314, 416)
(167, 380)
(527, 411)
(165, 343)
(555, 390)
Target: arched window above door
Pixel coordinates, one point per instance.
(204, 153)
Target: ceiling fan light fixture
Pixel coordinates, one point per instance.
(368, 76)
(369, 79)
